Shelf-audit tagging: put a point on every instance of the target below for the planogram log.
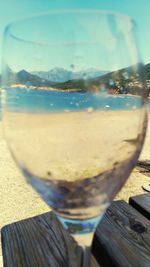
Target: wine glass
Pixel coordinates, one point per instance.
(74, 111)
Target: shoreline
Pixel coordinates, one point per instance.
(53, 89)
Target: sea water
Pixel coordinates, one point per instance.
(23, 100)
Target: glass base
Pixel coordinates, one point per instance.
(81, 230)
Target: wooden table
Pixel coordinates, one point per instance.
(122, 239)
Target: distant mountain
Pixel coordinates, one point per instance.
(63, 79)
(63, 75)
(90, 73)
(54, 75)
(27, 78)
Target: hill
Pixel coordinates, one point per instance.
(123, 78)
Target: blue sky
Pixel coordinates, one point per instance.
(139, 9)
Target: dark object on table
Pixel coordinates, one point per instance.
(145, 164)
(142, 204)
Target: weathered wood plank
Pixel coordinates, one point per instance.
(123, 238)
(141, 203)
(38, 242)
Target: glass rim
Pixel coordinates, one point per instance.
(9, 26)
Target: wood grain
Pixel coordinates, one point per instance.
(39, 242)
(123, 238)
(142, 204)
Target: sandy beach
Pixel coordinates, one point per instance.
(18, 200)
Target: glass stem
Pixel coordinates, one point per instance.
(79, 255)
(82, 232)
(85, 257)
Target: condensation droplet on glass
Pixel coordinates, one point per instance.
(72, 66)
(125, 75)
(134, 107)
(90, 110)
(111, 82)
(103, 88)
(84, 75)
